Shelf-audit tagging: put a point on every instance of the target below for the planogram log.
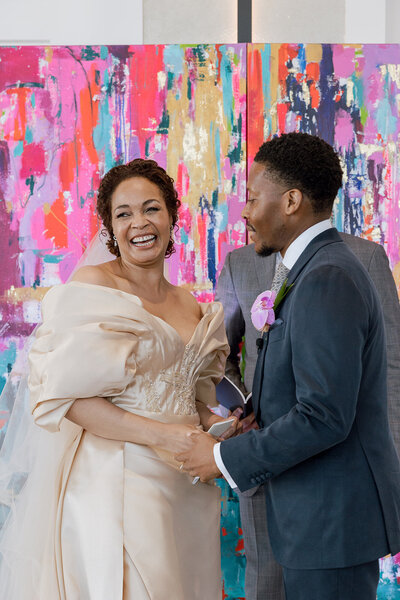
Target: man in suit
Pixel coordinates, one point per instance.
(324, 449)
(244, 276)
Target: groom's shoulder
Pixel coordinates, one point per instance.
(363, 249)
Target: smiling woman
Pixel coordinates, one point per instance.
(160, 188)
(139, 205)
(140, 218)
(122, 372)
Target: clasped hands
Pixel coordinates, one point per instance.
(198, 459)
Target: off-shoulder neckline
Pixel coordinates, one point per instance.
(139, 301)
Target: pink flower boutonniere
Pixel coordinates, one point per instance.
(265, 305)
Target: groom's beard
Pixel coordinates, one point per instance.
(266, 251)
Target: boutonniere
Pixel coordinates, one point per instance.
(265, 305)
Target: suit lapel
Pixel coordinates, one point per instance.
(264, 268)
(327, 237)
(258, 376)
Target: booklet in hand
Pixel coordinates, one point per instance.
(231, 397)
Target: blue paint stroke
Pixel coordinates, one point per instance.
(102, 131)
(173, 62)
(233, 562)
(19, 148)
(228, 101)
(266, 83)
(7, 359)
(328, 87)
(208, 208)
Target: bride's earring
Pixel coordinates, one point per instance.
(115, 241)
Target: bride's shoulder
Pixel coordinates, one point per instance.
(187, 300)
(94, 274)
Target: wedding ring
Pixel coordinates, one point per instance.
(195, 480)
(181, 467)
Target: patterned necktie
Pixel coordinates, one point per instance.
(281, 273)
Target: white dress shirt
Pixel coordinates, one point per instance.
(292, 254)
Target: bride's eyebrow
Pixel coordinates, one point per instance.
(146, 202)
(121, 206)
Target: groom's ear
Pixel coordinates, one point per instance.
(293, 201)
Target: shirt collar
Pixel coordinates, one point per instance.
(301, 242)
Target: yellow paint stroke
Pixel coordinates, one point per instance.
(17, 295)
(314, 53)
(191, 142)
(274, 86)
(48, 53)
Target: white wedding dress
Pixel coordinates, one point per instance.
(107, 520)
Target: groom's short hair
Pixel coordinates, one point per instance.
(304, 162)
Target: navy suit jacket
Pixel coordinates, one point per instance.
(324, 450)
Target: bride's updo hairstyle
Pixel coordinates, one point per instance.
(139, 167)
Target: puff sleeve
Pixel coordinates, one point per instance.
(214, 350)
(85, 347)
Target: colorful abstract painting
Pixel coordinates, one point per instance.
(68, 114)
(349, 96)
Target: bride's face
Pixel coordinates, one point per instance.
(140, 220)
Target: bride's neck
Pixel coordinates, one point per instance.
(147, 280)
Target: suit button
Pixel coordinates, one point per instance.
(253, 481)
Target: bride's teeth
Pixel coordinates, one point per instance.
(143, 240)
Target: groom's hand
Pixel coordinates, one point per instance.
(199, 460)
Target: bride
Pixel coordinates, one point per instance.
(122, 371)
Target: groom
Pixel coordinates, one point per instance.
(324, 450)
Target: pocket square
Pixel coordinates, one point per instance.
(276, 324)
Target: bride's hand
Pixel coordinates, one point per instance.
(234, 429)
(177, 438)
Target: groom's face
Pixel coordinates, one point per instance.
(264, 211)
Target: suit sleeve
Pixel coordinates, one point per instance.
(382, 277)
(329, 310)
(234, 322)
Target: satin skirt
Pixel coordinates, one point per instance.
(132, 526)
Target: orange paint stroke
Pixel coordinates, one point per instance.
(50, 212)
(255, 103)
(20, 119)
(89, 116)
(59, 234)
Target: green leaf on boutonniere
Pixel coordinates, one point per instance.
(284, 289)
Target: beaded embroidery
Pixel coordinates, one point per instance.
(181, 381)
(153, 400)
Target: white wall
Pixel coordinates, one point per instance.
(299, 21)
(196, 21)
(189, 21)
(365, 21)
(392, 22)
(71, 22)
